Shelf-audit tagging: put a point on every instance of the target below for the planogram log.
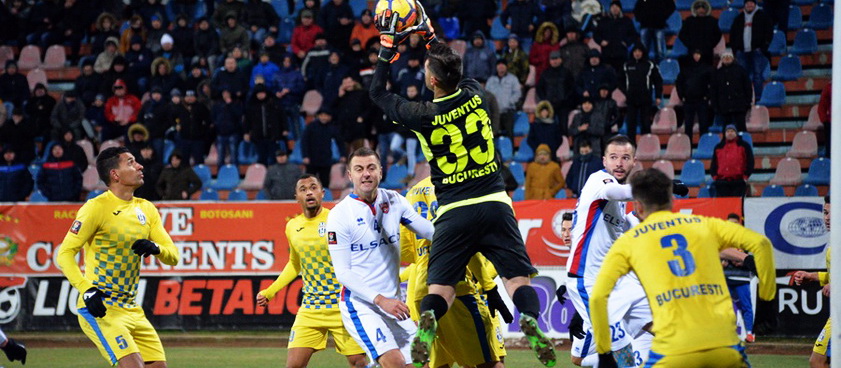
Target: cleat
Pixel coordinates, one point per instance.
(422, 343)
(541, 345)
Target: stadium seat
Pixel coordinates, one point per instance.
(718, 4)
(818, 172)
(773, 95)
(678, 50)
(564, 153)
(805, 42)
(806, 190)
(619, 97)
(55, 57)
(281, 8)
(358, 6)
(108, 144)
(238, 195)
(295, 157)
(789, 68)
(648, 147)
(6, 54)
(787, 173)
(773, 191)
(212, 158)
(93, 194)
(683, 4)
(669, 69)
(706, 146)
(459, 46)
(246, 153)
(209, 194)
(334, 150)
(29, 58)
(169, 148)
(693, 173)
(565, 168)
(450, 28)
(521, 124)
(804, 145)
(519, 195)
(561, 194)
(530, 79)
(255, 175)
(339, 179)
(91, 181)
(803, 2)
(287, 26)
(530, 102)
(704, 192)
(813, 123)
(778, 43)
(747, 137)
(674, 99)
(203, 173)
(673, 24)
(679, 147)
(261, 196)
(725, 21)
(328, 195)
(820, 17)
(517, 171)
(312, 102)
(758, 120)
(227, 178)
(87, 147)
(36, 76)
(666, 167)
(505, 148)
(665, 121)
(524, 153)
(37, 197)
(498, 30)
(795, 17)
(396, 173)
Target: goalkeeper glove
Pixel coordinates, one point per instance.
(607, 361)
(424, 27)
(495, 303)
(93, 301)
(576, 326)
(145, 248)
(679, 189)
(15, 351)
(560, 294)
(386, 23)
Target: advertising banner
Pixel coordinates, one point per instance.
(795, 227)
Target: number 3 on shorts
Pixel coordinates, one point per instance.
(121, 342)
(380, 335)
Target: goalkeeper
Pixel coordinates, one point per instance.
(14, 349)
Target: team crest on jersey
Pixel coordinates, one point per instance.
(331, 238)
(322, 228)
(608, 181)
(360, 221)
(384, 207)
(140, 216)
(77, 225)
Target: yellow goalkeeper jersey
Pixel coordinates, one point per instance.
(676, 257)
(107, 227)
(309, 257)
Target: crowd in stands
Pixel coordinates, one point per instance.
(203, 73)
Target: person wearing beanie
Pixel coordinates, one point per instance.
(732, 164)
(155, 35)
(68, 115)
(232, 34)
(182, 34)
(615, 32)
(226, 115)
(121, 110)
(546, 129)
(265, 124)
(519, 17)
(13, 85)
(516, 59)
(507, 90)
(606, 110)
(260, 19)
(543, 177)
(336, 17)
(364, 30)
(694, 86)
(731, 92)
(87, 84)
(557, 85)
(178, 181)
(281, 177)
(38, 108)
(700, 31)
(584, 163)
(479, 59)
(594, 75)
(587, 126)
(316, 145)
(750, 37)
(154, 116)
(138, 61)
(171, 53)
(205, 40)
(267, 69)
(574, 51)
(640, 80)
(652, 16)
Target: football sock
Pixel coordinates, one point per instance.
(436, 304)
(526, 301)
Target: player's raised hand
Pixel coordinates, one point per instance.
(15, 351)
(262, 300)
(93, 302)
(393, 307)
(424, 27)
(495, 303)
(386, 23)
(145, 248)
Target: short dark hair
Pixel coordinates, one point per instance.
(445, 65)
(734, 216)
(567, 216)
(826, 199)
(620, 140)
(363, 152)
(651, 187)
(307, 176)
(108, 159)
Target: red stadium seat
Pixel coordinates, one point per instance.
(758, 119)
(665, 121)
(814, 122)
(338, 177)
(530, 80)
(36, 76)
(312, 102)
(648, 147)
(212, 158)
(678, 148)
(619, 97)
(530, 103)
(255, 175)
(55, 57)
(788, 173)
(565, 168)
(87, 147)
(805, 145)
(666, 167)
(108, 144)
(90, 180)
(564, 153)
(30, 57)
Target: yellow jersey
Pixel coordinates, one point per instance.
(309, 257)
(107, 227)
(676, 258)
(823, 277)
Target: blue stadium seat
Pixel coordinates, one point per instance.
(328, 195)
(498, 30)
(818, 172)
(358, 6)
(737, 4)
(209, 194)
(803, 2)
(673, 24)
(789, 68)
(287, 25)
(334, 149)
(395, 174)
(34, 169)
(227, 178)
(718, 4)
(669, 69)
(246, 153)
(450, 27)
(693, 173)
(524, 153)
(628, 5)
(678, 50)
(93, 194)
(238, 195)
(295, 157)
(37, 197)
(561, 194)
(806, 190)
(706, 146)
(261, 196)
(805, 42)
(519, 194)
(684, 4)
(778, 43)
(46, 154)
(521, 124)
(747, 138)
(505, 147)
(169, 148)
(820, 17)
(281, 8)
(795, 17)
(773, 191)
(773, 95)
(725, 21)
(518, 172)
(705, 191)
(204, 174)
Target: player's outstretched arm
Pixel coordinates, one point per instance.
(615, 266)
(737, 236)
(613, 191)
(289, 273)
(169, 254)
(413, 221)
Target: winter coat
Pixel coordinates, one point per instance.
(333, 76)
(265, 120)
(409, 77)
(543, 181)
(126, 107)
(20, 137)
(695, 81)
(762, 31)
(234, 82)
(520, 15)
(139, 62)
(227, 118)
(183, 37)
(579, 172)
(303, 38)
(592, 78)
(329, 14)
(606, 110)
(268, 71)
(280, 180)
(315, 143)
(206, 42)
(154, 116)
(292, 79)
(68, 117)
(541, 48)
(701, 32)
(233, 37)
(151, 173)
(557, 85)
(15, 182)
(176, 61)
(74, 153)
(223, 9)
(546, 131)
(479, 62)
(349, 109)
(574, 55)
(639, 79)
(732, 160)
(194, 122)
(14, 88)
(101, 35)
(87, 86)
(261, 14)
(619, 33)
(506, 89)
(60, 180)
(732, 90)
(39, 110)
(653, 13)
(314, 67)
(593, 134)
(363, 33)
(173, 181)
(518, 63)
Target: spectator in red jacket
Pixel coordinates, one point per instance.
(732, 165)
(120, 111)
(825, 114)
(303, 36)
(545, 41)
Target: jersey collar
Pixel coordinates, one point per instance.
(370, 205)
(448, 97)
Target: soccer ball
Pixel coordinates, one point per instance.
(406, 10)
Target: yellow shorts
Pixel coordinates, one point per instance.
(823, 341)
(121, 332)
(724, 357)
(312, 325)
(467, 334)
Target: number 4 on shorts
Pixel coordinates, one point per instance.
(380, 335)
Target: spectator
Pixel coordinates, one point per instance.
(305, 35)
(584, 163)
(205, 40)
(700, 31)
(15, 180)
(59, 179)
(412, 75)
(652, 16)
(19, 10)
(42, 20)
(557, 85)
(519, 17)
(72, 151)
(150, 9)
(557, 11)
(261, 19)
(315, 64)
(615, 33)
(333, 76)
(750, 37)
(546, 128)
(68, 115)
(583, 14)
(118, 71)
(106, 27)
(136, 28)
(95, 115)
(825, 115)
(178, 181)
(290, 85)
(408, 154)
(162, 76)
(778, 10)
(476, 15)
(182, 35)
(120, 111)
(281, 177)
(507, 90)
(516, 59)
(106, 57)
(587, 126)
(197, 75)
(595, 75)
(13, 86)
(357, 57)
(152, 168)
(275, 50)
(479, 59)
(574, 52)
(39, 108)
(168, 51)
(87, 84)
(154, 116)
(227, 117)
(139, 60)
(18, 134)
(640, 80)
(230, 78)
(731, 92)
(227, 8)
(732, 164)
(154, 35)
(232, 35)
(336, 17)
(138, 137)
(265, 124)
(543, 178)
(352, 109)
(267, 70)
(316, 146)
(364, 30)
(71, 28)
(605, 109)
(192, 121)
(694, 84)
(415, 47)
(545, 42)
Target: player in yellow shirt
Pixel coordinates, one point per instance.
(309, 257)
(676, 257)
(469, 334)
(117, 231)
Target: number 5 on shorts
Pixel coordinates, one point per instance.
(121, 342)
(380, 335)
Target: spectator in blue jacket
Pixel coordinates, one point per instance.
(290, 85)
(267, 70)
(59, 179)
(479, 59)
(519, 17)
(15, 180)
(594, 75)
(335, 72)
(583, 164)
(411, 75)
(226, 116)
(316, 146)
(545, 129)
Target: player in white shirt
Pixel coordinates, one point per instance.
(363, 236)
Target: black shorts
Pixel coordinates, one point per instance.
(487, 227)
